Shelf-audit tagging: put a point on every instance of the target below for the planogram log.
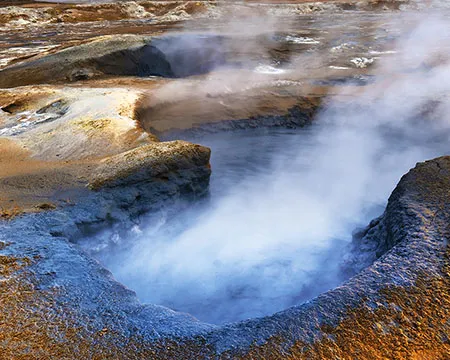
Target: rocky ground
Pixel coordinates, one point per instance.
(87, 94)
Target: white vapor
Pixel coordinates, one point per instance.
(276, 236)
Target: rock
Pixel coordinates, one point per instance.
(362, 62)
(81, 74)
(22, 16)
(149, 162)
(133, 10)
(79, 62)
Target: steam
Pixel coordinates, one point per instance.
(277, 225)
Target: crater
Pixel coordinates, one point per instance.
(276, 228)
(168, 56)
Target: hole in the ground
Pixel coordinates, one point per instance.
(183, 55)
(167, 56)
(13, 107)
(275, 230)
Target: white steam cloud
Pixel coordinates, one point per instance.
(275, 237)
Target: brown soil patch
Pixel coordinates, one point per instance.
(30, 185)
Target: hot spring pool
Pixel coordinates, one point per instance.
(275, 228)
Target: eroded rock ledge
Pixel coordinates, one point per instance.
(57, 302)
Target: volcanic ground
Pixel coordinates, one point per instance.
(119, 119)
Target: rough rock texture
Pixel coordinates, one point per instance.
(79, 63)
(59, 303)
(71, 12)
(167, 156)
